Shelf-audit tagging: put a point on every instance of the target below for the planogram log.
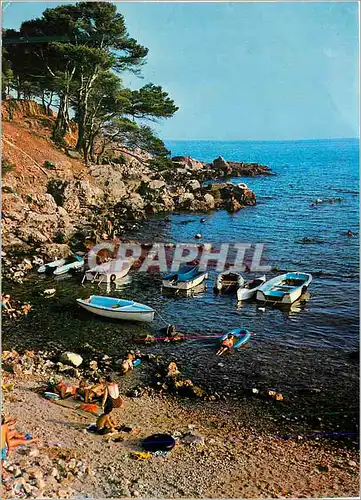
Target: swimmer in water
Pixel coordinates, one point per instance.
(226, 345)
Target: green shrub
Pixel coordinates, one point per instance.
(6, 167)
(49, 165)
(160, 163)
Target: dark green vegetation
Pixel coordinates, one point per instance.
(71, 59)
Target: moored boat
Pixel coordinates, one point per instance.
(249, 289)
(228, 282)
(284, 289)
(108, 272)
(62, 266)
(187, 277)
(111, 307)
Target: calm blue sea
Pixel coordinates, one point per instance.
(305, 170)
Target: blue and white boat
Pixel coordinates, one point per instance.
(62, 266)
(185, 278)
(284, 289)
(241, 334)
(111, 307)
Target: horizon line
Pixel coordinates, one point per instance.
(267, 140)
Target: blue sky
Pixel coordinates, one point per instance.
(245, 71)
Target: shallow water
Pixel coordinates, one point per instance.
(282, 217)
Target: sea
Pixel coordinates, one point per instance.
(305, 171)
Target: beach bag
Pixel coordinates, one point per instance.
(112, 403)
(116, 403)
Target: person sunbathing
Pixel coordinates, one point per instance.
(10, 438)
(226, 345)
(65, 390)
(127, 364)
(91, 392)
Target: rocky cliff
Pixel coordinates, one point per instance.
(52, 200)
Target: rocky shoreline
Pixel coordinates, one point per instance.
(54, 206)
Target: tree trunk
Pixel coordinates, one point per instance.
(61, 122)
(83, 101)
(48, 107)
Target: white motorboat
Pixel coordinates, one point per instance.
(228, 282)
(284, 289)
(108, 272)
(249, 289)
(62, 266)
(114, 308)
(186, 278)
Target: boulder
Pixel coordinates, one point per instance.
(189, 162)
(39, 228)
(193, 185)
(110, 180)
(14, 207)
(65, 226)
(71, 358)
(73, 194)
(132, 207)
(46, 204)
(222, 165)
(193, 439)
(185, 200)
(156, 185)
(54, 251)
(210, 201)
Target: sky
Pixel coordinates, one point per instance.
(244, 71)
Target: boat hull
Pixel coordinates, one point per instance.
(248, 293)
(184, 285)
(242, 337)
(276, 291)
(228, 282)
(144, 314)
(68, 267)
(51, 266)
(107, 273)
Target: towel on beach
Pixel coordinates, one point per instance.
(90, 408)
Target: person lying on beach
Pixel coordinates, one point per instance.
(91, 392)
(64, 390)
(105, 422)
(226, 345)
(10, 438)
(127, 364)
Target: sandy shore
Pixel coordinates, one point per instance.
(232, 459)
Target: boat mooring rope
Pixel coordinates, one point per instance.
(161, 317)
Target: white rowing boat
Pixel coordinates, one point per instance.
(111, 307)
(108, 272)
(284, 289)
(62, 266)
(249, 289)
